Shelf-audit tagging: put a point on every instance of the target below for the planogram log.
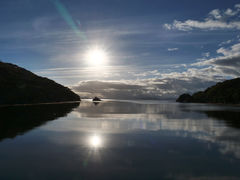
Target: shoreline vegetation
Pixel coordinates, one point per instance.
(226, 92)
(20, 86)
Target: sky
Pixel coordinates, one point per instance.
(152, 48)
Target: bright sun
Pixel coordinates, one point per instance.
(96, 57)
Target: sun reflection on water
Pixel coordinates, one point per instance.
(95, 141)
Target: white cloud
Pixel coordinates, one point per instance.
(167, 26)
(173, 49)
(237, 6)
(207, 54)
(205, 25)
(230, 12)
(232, 51)
(215, 14)
(225, 42)
(216, 19)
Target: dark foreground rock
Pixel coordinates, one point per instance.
(227, 92)
(19, 86)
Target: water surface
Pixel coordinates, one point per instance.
(120, 140)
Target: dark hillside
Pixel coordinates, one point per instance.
(19, 86)
(227, 92)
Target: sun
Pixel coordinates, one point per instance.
(96, 57)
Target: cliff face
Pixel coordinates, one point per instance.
(19, 86)
(227, 92)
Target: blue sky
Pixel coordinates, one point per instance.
(153, 46)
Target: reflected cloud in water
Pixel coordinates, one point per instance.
(191, 120)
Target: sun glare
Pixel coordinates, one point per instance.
(95, 141)
(96, 57)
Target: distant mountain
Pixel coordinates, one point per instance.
(19, 86)
(227, 92)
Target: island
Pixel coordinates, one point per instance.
(96, 99)
(226, 92)
(20, 86)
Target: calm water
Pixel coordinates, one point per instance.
(120, 140)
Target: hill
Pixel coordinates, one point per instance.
(20, 86)
(227, 92)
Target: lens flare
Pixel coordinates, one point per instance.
(68, 19)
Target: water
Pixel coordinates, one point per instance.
(120, 140)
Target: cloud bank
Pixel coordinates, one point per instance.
(168, 88)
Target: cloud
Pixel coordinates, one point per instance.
(216, 19)
(225, 42)
(233, 50)
(215, 14)
(237, 6)
(227, 64)
(207, 54)
(230, 12)
(166, 88)
(205, 25)
(173, 49)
